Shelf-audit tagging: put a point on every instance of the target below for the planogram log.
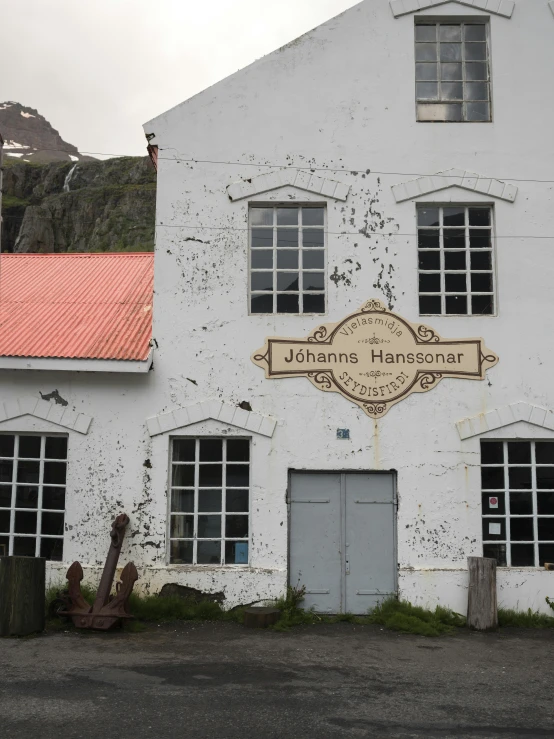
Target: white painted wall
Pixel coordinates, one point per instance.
(341, 96)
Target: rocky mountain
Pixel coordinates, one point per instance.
(29, 136)
(57, 200)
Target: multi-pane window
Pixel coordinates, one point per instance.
(210, 501)
(32, 495)
(455, 258)
(452, 72)
(517, 482)
(287, 259)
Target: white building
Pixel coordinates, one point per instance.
(289, 195)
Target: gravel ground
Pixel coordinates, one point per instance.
(222, 680)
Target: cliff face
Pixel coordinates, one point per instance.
(82, 206)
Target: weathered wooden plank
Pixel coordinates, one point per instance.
(22, 595)
(482, 613)
(260, 617)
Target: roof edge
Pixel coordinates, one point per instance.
(61, 364)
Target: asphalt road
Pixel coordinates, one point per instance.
(226, 682)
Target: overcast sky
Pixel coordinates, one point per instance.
(99, 70)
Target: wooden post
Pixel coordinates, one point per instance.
(260, 617)
(22, 595)
(482, 612)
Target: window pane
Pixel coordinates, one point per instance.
(546, 529)
(452, 53)
(429, 305)
(261, 304)
(262, 259)
(26, 496)
(6, 445)
(544, 452)
(482, 305)
(54, 473)
(452, 91)
(446, 112)
(453, 217)
(52, 524)
(29, 447)
(521, 504)
(455, 282)
(429, 260)
(262, 238)
(476, 71)
(287, 281)
(211, 450)
(428, 217)
(456, 304)
(184, 450)
(455, 260)
(546, 554)
(481, 282)
(545, 504)
(183, 476)
(454, 238)
(25, 522)
(237, 501)
(519, 452)
(209, 527)
(210, 475)
(236, 527)
(182, 527)
(427, 90)
(287, 238)
(209, 553)
(236, 552)
(450, 33)
(523, 555)
(426, 71)
(492, 452)
(479, 239)
(261, 281)
(494, 528)
(238, 450)
(182, 501)
(6, 471)
(429, 283)
(313, 259)
(451, 71)
(494, 504)
(287, 304)
(545, 478)
(425, 33)
(181, 552)
(425, 52)
(24, 546)
(4, 522)
(209, 501)
(314, 303)
(477, 111)
(492, 478)
(53, 498)
(313, 280)
(313, 237)
(261, 216)
(481, 260)
(5, 496)
(313, 216)
(476, 32)
(56, 447)
(287, 259)
(428, 239)
(475, 51)
(52, 549)
(521, 529)
(238, 475)
(287, 216)
(28, 471)
(496, 551)
(477, 91)
(520, 478)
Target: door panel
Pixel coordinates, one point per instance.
(315, 546)
(370, 564)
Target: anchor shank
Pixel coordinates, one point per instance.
(106, 581)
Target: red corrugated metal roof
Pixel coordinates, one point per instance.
(76, 306)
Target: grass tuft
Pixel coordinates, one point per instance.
(524, 619)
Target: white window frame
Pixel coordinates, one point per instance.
(222, 539)
(39, 510)
(299, 206)
(467, 271)
(507, 515)
(462, 22)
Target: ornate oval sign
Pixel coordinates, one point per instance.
(374, 358)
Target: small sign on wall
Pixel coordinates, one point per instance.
(343, 433)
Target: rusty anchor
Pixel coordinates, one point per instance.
(106, 611)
